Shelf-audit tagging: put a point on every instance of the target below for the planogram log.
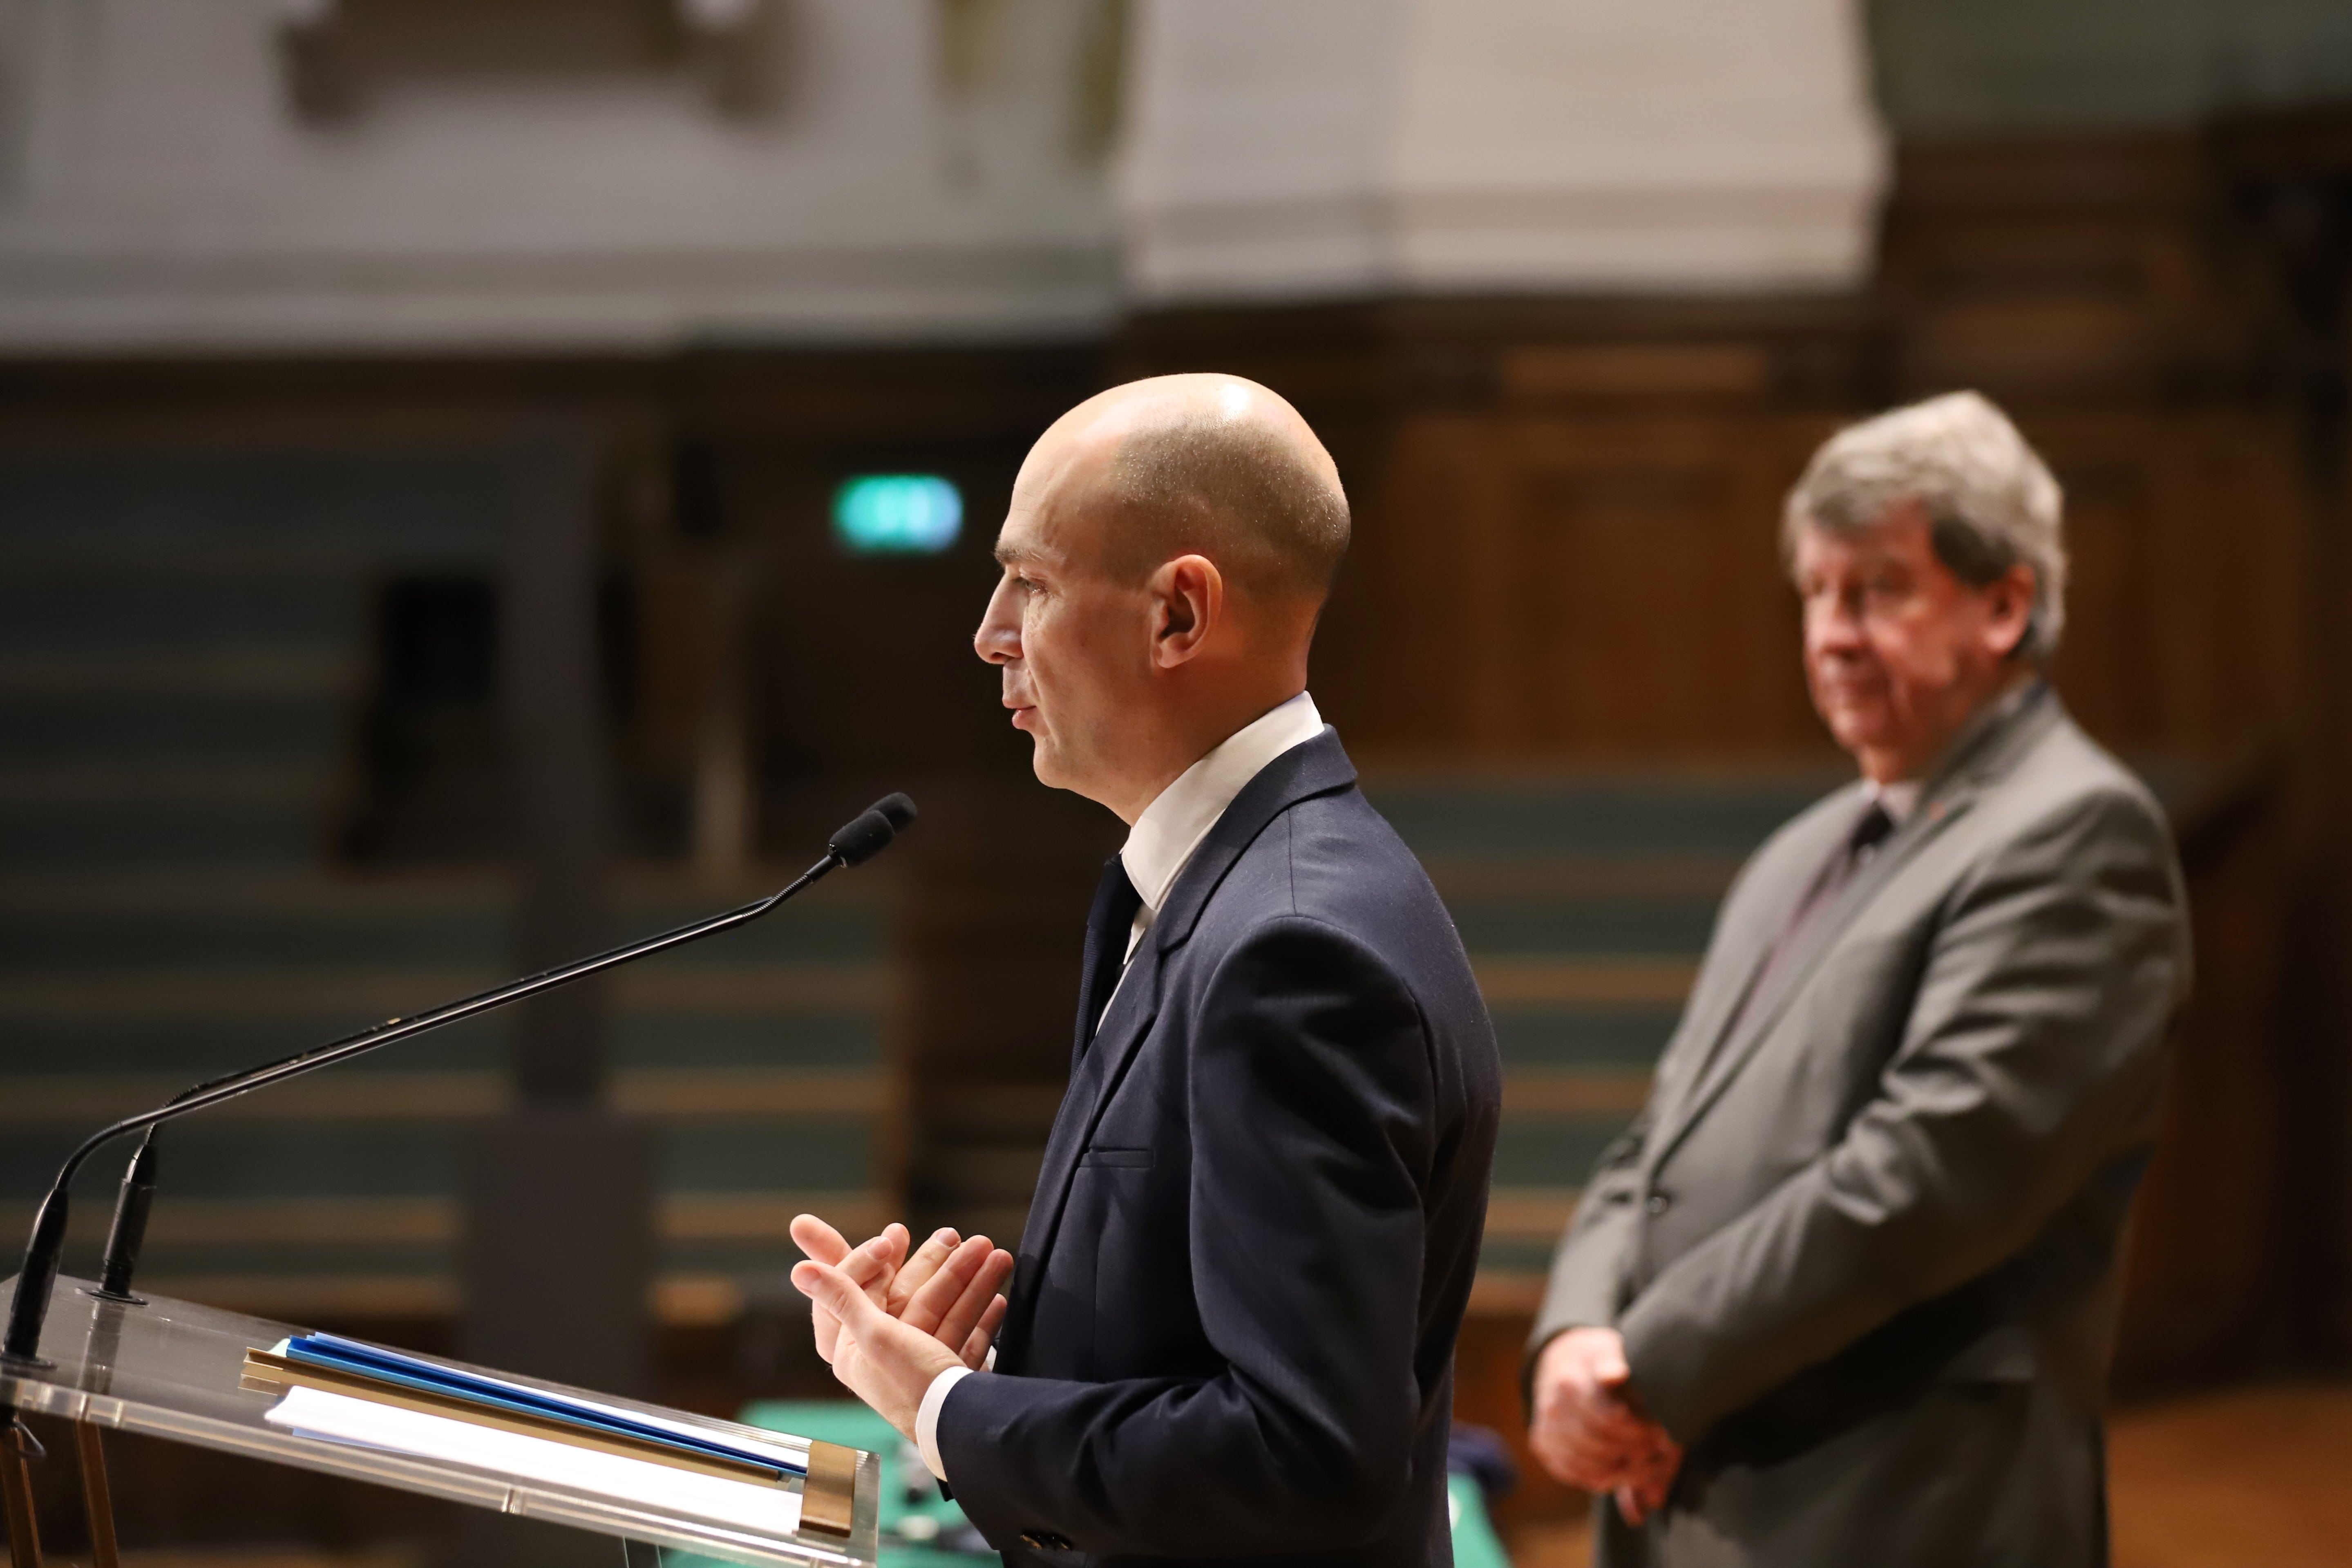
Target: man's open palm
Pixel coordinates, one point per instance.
(889, 1331)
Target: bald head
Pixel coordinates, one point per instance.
(1165, 557)
(1207, 464)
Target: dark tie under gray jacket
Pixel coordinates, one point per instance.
(1864, 1243)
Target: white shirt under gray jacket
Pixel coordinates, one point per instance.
(1864, 1243)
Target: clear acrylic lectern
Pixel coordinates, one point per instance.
(174, 1370)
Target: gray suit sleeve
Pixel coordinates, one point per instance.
(2034, 1043)
(1588, 1268)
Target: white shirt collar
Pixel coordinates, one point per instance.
(1172, 825)
(1898, 799)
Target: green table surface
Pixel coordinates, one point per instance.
(905, 1524)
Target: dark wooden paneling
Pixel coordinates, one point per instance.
(2069, 267)
(1578, 589)
(2190, 534)
(1541, 587)
(2222, 1233)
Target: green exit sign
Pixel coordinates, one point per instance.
(896, 514)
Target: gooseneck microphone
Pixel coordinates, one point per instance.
(858, 840)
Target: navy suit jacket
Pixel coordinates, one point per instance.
(1232, 1327)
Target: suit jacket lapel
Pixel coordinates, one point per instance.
(1947, 798)
(1781, 986)
(1728, 976)
(1315, 767)
(1132, 1010)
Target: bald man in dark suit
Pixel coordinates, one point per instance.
(1231, 1332)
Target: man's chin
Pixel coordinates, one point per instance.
(1045, 764)
(1054, 771)
(1866, 729)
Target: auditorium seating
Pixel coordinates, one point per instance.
(186, 650)
(1585, 902)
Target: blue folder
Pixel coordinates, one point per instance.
(350, 1356)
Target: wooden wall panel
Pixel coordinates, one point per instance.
(1646, 608)
(2223, 1244)
(2189, 535)
(1616, 586)
(1609, 588)
(1389, 650)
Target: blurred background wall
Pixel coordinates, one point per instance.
(358, 358)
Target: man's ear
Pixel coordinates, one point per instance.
(2010, 597)
(1188, 600)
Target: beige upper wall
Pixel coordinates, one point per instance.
(925, 171)
(1331, 147)
(161, 191)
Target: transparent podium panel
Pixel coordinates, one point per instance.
(175, 1370)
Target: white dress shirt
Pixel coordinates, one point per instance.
(1161, 844)
(1158, 848)
(1898, 799)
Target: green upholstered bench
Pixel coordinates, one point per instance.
(1585, 903)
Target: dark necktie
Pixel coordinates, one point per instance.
(1862, 841)
(1108, 925)
(1853, 853)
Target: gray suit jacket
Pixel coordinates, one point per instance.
(1863, 1244)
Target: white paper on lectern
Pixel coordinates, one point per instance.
(343, 1418)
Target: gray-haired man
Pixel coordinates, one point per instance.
(1844, 1293)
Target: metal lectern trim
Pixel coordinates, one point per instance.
(173, 1370)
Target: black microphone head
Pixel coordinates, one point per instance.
(869, 833)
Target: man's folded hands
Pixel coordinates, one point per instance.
(1588, 1430)
(889, 1322)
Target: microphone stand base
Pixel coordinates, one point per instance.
(120, 1298)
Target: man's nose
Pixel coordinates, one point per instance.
(1834, 625)
(998, 640)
